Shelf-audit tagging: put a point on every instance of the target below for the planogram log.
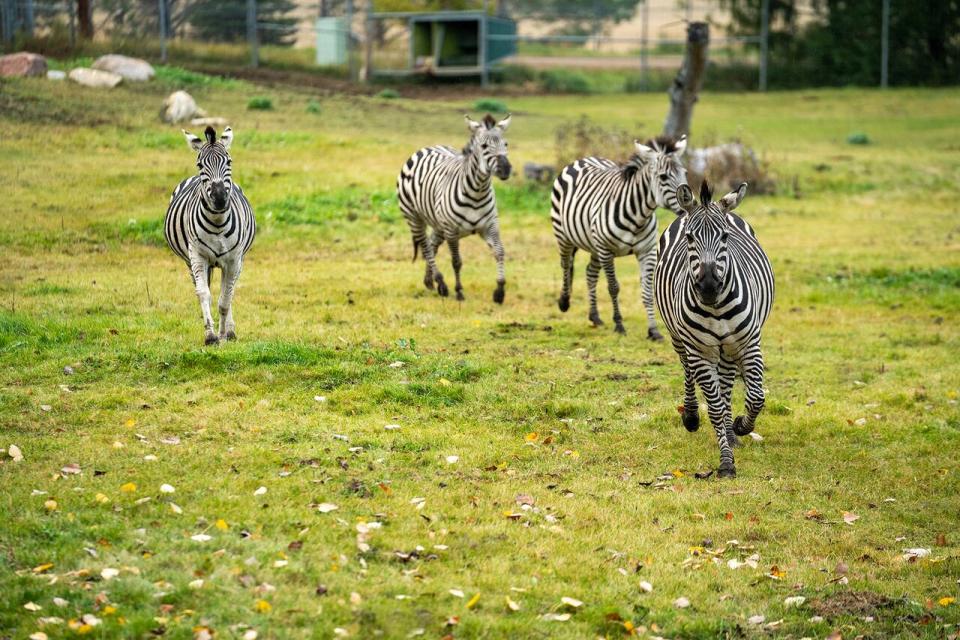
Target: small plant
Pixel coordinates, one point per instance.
(260, 103)
(388, 94)
(491, 105)
(313, 106)
(858, 138)
(563, 81)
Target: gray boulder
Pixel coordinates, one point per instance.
(133, 69)
(22, 65)
(95, 78)
(180, 107)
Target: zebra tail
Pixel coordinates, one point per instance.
(416, 247)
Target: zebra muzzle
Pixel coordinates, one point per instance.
(503, 168)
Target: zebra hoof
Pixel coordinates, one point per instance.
(498, 294)
(654, 334)
(619, 328)
(211, 339)
(691, 420)
(460, 295)
(428, 283)
(740, 426)
(727, 471)
(442, 288)
(564, 303)
(229, 335)
(595, 319)
(733, 440)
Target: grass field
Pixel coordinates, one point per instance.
(536, 458)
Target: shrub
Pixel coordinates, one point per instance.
(491, 105)
(260, 103)
(514, 74)
(858, 138)
(563, 81)
(388, 94)
(726, 165)
(313, 106)
(583, 138)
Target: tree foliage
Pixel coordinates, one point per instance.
(226, 20)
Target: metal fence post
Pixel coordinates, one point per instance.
(71, 10)
(644, 44)
(6, 20)
(885, 45)
(162, 6)
(351, 42)
(764, 42)
(28, 17)
(484, 68)
(252, 33)
(368, 43)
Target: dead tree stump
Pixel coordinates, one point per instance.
(686, 86)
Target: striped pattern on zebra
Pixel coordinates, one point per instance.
(714, 287)
(607, 210)
(451, 192)
(209, 224)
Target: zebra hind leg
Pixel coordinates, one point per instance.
(613, 288)
(690, 409)
(751, 368)
(457, 261)
(566, 266)
(648, 263)
(593, 273)
(727, 372)
(707, 378)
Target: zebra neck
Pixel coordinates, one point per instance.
(638, 196)
(476, 184)
(214, 218)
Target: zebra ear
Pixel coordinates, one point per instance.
(226, 138)
(733, 199)
(685, 197)
(680, 146)
(473, 124)
(643, 150)
(503, 124)
(193, 141)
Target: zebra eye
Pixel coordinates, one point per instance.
(664, 176)
(483, 146)
(724, 235)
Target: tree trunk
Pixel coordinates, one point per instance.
(687, 84)
(85, 18)
(503, 11)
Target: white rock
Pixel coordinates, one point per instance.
(166, 488)
(55, 74)
(216, 122)
(260, 491)
(109, 572)
(95, 78)
(758, 619)
(794, 601)
(128, 68)
(180, 106)
(646, 586)
(14, 452)
(681, 603)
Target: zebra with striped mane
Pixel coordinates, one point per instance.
(607, 209)
(451, 192)
(210, 224)
(714, 288)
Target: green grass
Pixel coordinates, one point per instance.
(862, 355)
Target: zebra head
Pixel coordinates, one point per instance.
(213, 162)
(706, 232)
(659, 159)
(489, 146)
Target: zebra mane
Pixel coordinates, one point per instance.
(661, 143)
(706, 194)
(210, 134)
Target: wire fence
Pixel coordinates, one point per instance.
(640, 51)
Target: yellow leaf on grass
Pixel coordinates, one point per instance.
(50, 505)
(444, 382)
(531, 437)
(102, 499)
(128, 487)
(472, 602)
(130, 423)
(946, 601)
(222, 524)
(677, 473)
(43, 567)
(109, 610)
(262, 606)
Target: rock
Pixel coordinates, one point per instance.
(538, 172)
(209, 122)
(180, 106)
(95, 78)
(56, 75)
(22, 65)
(133, 69)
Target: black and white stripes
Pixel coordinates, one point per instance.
(714, 288)
(451, 193)
(607, 210)
(209, 224)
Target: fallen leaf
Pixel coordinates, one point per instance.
(681, 603)
(453, 459)
(392, 427)
(457, 593)
(262, 606)
(38, 635)
(758, 619)
(756, 436)
(531, 437)
(108, 573)
(46, 566)
(221, 524)
(201, 537)
(50, 505)
(71, 469)
(948, 600)
(171, 440)
(513, 606)
(571, 602)
(128, 487)
(14, 452)
(260, 491)
(101, 498)
(166, 488)
(472, 602)
(849, 517)
(794, 601)
(176, 508)
(196, 584)
(326, 507)
(32, 606)
(646, 586)
(556, 617)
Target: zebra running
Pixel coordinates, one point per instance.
(209, 224)
(451, 192)
(714, 287)
(607, 210)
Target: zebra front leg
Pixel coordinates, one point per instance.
(726, 374)
(751, 368)
(201, 271)
(613, 287)
(593, 274)
(435, 241)
(707, 378)
(231, 273)
(433, 272)
(454, 244)
(493, 240)
(648, 263)
(690, 411)
(566, 265)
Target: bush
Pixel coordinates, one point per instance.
(725, 166)
(388, 94)
(313, 106)
(491, 105)
(858, 138)
(513, 74)
(260, 103)
(563, 81)
(584, 138)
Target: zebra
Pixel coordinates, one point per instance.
(607, 210)
(210, 223)
(714, 288)
(451, 192)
